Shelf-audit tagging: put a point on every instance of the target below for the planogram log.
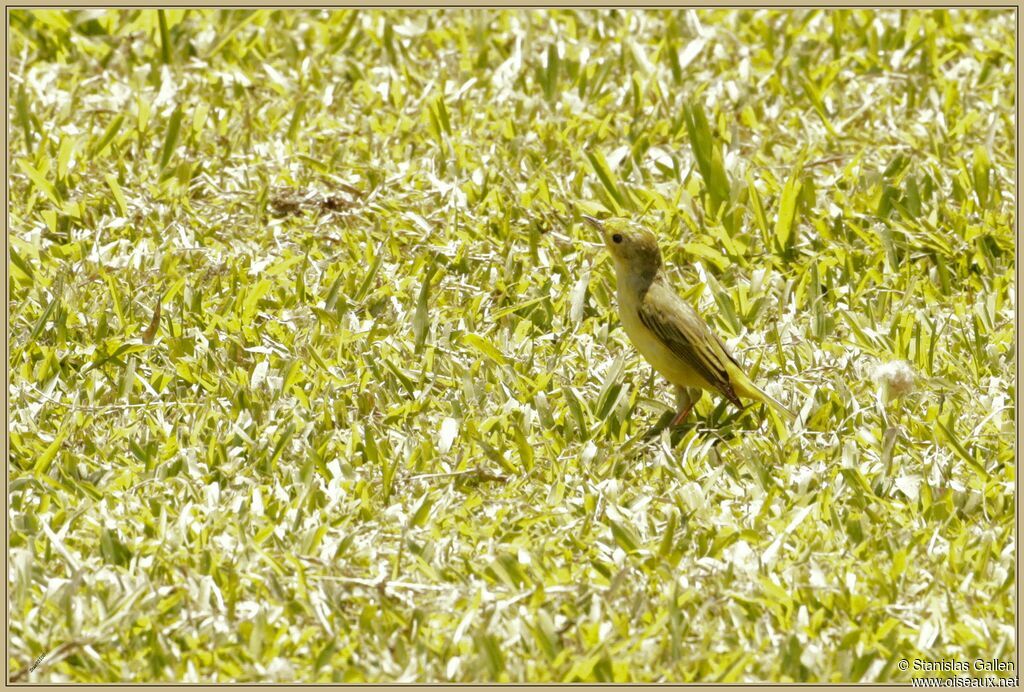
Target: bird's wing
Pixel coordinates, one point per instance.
(688, 336)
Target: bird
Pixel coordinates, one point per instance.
(667, 330)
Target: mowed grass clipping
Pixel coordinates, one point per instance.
(316, 375)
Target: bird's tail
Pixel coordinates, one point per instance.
(746, 388)
(767, 398)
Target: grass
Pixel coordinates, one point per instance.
(385, 426)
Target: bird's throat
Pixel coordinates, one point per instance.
(632, 285)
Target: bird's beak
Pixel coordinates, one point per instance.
(600, 229)
(597, 225)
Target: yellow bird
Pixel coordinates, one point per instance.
(666, 330)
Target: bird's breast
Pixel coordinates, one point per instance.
(661, 357)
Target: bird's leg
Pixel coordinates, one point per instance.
(685, 401)
(681, 416)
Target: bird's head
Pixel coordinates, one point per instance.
(633, 249)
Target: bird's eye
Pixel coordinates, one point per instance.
(617, 238)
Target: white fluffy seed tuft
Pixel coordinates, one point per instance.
(894, 379)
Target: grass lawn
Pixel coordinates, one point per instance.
(315, 373)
